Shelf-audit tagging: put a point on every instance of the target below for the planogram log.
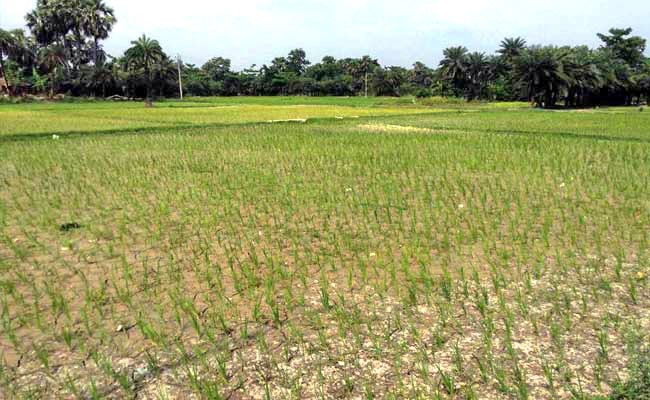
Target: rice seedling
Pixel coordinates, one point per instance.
(408, 252)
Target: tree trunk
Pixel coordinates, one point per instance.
(95, 47)
(52, 75)
(77, 60)
(147, 101)
(180, 78)
(366, 85)
(4, 74)
(571, 98)
(548, 101)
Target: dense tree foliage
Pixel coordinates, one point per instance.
(63, 53)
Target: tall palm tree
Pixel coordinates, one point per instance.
(586, 79)
(164, 73)
(511, 48)
(53, 58)
(478, 71)
(76, 15)
(541, 71)
(498, 67)
(40, 23)
(97, 78)
(454, 67)
(71, 23)
(365, 66)
(144, 53)
(620, 80)
(52, 21)
(97, 22)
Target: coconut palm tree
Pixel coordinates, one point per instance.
(144, 53)
(164, 73)
(478, 71)
(511, 48)
(586, 78)
(540, 70)
(97, 77)
(454, 67)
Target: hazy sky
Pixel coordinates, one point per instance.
(398, 32)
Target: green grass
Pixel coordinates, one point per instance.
(418, 251)
(51, 118)
(638, 384)
(20, 122)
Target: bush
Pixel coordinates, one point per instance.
(423, 93)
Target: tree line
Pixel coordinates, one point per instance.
(62, 52)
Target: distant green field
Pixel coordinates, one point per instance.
(84, 117)
(382, 248)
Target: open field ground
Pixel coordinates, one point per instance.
(379, 249)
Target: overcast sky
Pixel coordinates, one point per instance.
(398, 32)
